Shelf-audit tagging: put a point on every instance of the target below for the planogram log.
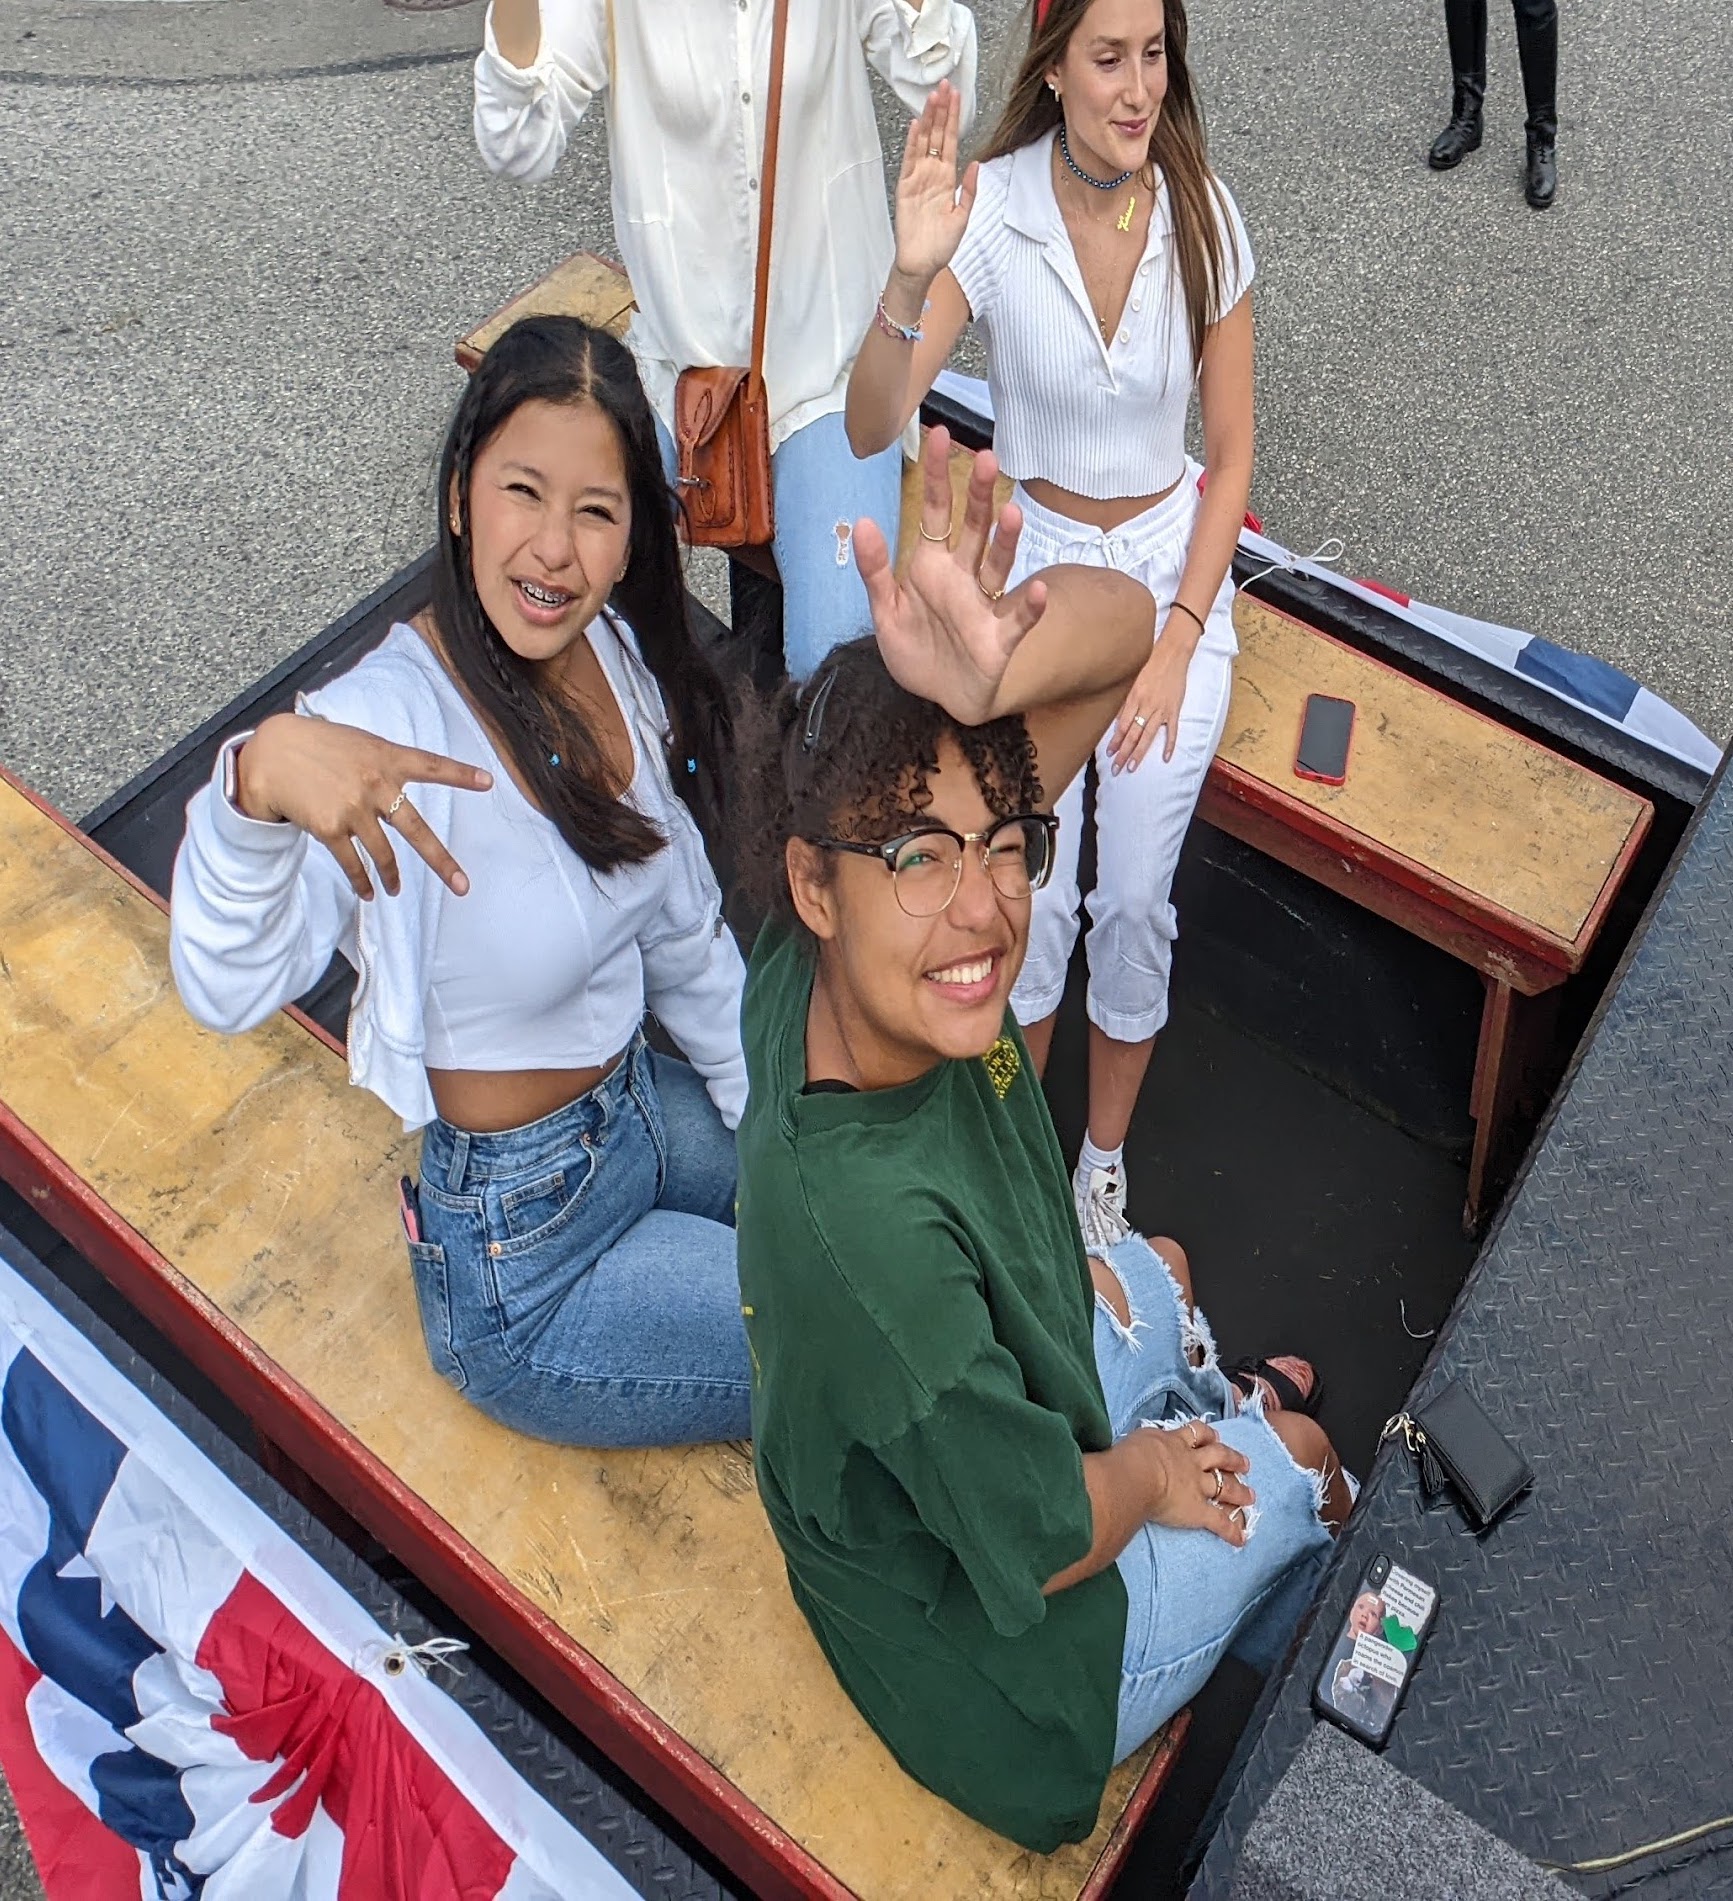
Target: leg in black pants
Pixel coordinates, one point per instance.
(1537, 46)
(1465, 21)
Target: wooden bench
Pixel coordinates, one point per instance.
(1473, 837)
(242, 1195)
(1470, 835)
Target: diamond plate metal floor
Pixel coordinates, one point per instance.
(1574, 1697)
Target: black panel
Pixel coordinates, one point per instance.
(1346, 996)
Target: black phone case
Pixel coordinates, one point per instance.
(1346, 1712)
(1326, 735)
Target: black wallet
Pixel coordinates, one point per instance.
(1455, 1445)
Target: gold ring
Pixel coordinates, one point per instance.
(1218, 1490)
(992, 594)
(390, 811)
(945, 537)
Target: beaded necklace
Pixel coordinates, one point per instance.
(1123, 221)
(1100, 184)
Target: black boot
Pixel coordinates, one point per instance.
(1460, 137)
(1540, 181)
(1537, 46)
(1465, 21)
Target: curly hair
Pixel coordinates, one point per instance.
(850, 755)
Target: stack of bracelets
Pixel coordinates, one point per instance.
(898, 332)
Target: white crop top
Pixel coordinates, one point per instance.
(538, 966)
(545, 964)
(1102, 419)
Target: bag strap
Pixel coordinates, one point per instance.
(767, 186)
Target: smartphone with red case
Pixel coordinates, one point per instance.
(1324, 735)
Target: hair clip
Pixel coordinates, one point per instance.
(815, 711)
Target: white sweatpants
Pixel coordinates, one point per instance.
(1140, 817)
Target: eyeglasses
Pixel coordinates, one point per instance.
(926, 866)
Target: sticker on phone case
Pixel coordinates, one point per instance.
(1381, 1660)
(1408, 1600)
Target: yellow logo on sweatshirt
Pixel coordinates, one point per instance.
(1003, 1063)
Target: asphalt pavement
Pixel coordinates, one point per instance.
(241, 236)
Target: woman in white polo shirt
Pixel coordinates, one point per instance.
(1107, 268)
(686, 87)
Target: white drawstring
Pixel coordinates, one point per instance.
(1327, 553)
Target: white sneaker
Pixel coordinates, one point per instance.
(1100, 1207)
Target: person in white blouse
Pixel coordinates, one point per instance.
(1107, 269)
(685, 83)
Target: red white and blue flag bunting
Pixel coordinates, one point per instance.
(191, 1709)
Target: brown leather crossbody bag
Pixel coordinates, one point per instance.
(722, 416)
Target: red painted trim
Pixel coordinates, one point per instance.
(1441, 913)
(668, 1768)
(1389, 593)
(1136, 1812)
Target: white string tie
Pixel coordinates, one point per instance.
(1327, 553)
(395, 1659)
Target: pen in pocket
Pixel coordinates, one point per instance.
(409, 1207)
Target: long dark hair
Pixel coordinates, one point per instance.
(850, 755)
(562, 360)
(1177, 146)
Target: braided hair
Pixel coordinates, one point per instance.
(562, 360)
(850, 755)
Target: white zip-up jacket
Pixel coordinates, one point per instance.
(258, 908)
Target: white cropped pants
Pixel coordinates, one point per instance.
(1140, 817)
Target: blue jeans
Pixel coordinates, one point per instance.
(1191, 1596)
(821, 492)
(577, 1276)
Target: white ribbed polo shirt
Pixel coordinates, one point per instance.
(1102, 419)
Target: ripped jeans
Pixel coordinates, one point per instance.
(1191, 1596)
(821, 492)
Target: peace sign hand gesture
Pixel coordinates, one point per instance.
(931, 217)
(346, 788)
